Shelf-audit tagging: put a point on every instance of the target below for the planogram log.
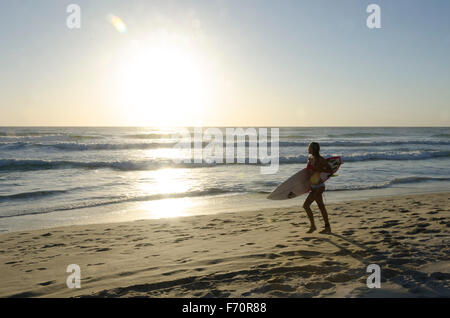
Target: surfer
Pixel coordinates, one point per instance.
(317, 164)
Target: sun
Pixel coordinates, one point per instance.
(163, 83)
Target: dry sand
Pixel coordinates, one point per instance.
(263, 253)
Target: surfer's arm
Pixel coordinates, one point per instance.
(325, 167)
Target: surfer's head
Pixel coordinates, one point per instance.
(314, 149)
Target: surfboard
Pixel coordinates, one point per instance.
(299, 183)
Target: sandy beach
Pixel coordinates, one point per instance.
(263, 253)
(152, 149)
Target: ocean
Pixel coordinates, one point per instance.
(64, 176)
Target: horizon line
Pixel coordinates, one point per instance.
(210, 126)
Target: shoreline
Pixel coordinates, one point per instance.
(260, 253)
(194, 206)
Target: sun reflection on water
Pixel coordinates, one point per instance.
(168, 208)
(166, 182)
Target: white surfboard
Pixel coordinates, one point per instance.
(299, 183)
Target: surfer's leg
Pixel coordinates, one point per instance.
(307, 206)
(323, 210)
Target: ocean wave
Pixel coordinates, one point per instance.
(76, 146)
(98, 146)
(213, 191)
(442, 135)
(8, 165)
(414, 179)
(28, 134)
(32, 137)
(356, 187)
(34, 165)
(148, 136)
(357, 134)
(84, 137)
(353, 143)
(30, 195)
(295, 137)
(386, 143)
(387, 184)
(86, 203)
(405, 155)
(372, 156)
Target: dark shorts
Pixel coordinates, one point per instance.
(317, 186)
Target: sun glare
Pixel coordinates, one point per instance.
(163, 83)
(165, 181)
(167, 208)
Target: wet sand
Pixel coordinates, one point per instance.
(261, 253)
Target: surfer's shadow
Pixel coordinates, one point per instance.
(369, 255)
(343, 250)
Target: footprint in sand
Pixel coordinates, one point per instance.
(319, 285)
(390, 223)
(302, 253)
(143, 245)
(273, 287)
(348, 232)
(10, 263)
(339, 278)
(47, 283)
(53, 245)
(440, 276)
(173, 272)
(102, 249)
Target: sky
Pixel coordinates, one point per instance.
(224, 63)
